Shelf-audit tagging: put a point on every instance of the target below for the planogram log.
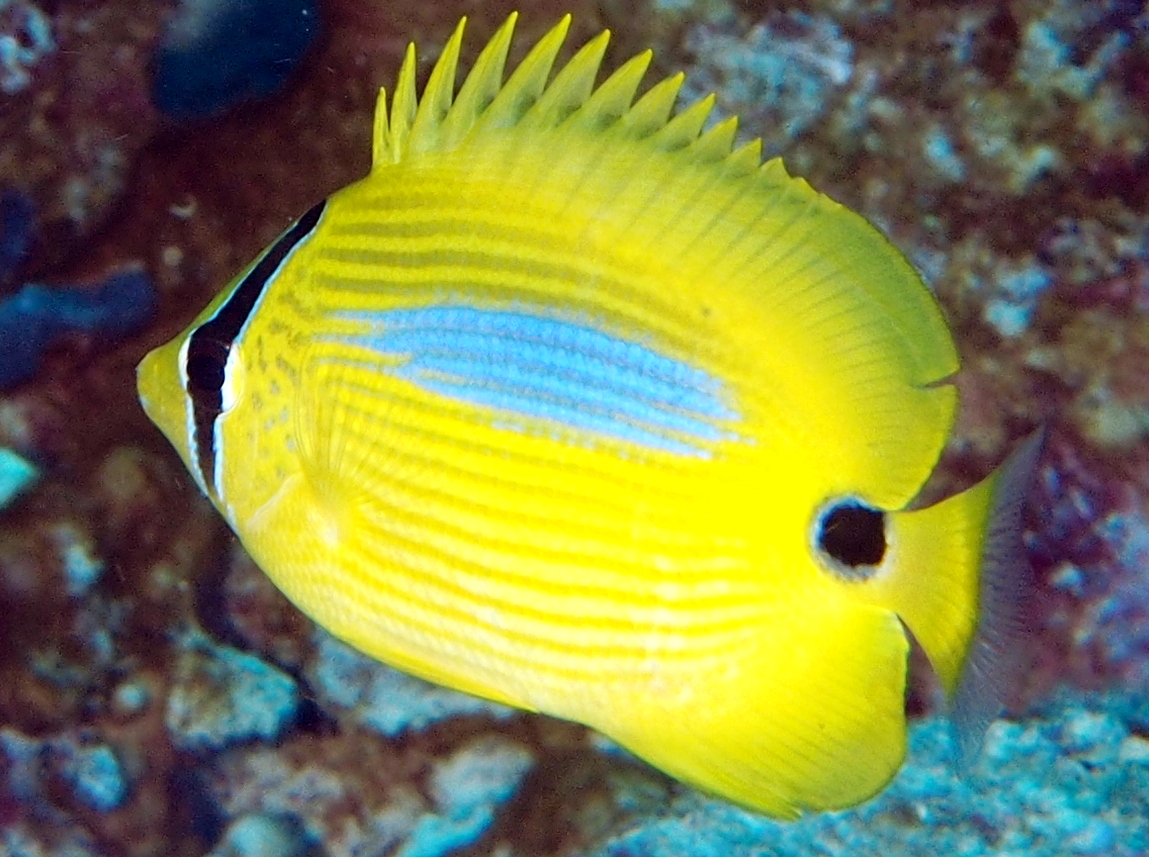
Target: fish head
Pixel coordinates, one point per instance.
(193, 387)
(189, 385)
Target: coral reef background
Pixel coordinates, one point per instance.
(159, 697)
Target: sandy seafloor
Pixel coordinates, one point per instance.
(159, 697)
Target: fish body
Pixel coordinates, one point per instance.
(573, 406)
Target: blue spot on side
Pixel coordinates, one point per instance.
(541, 367)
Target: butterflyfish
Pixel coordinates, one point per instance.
(572, 404)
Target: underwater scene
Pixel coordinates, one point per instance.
(527, 462)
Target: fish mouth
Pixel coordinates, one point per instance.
(161, 394)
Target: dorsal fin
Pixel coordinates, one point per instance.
(439, 121)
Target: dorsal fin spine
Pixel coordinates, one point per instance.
(403, 109)
(683, 129)
(381, 132)
(652, 111)
(571, 86)
(426, 130)
(527, 82)
(481, 86)
(715, 143)
(613, 98)
(440, 122)
(745, 159)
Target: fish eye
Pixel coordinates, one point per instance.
(850, 538)
(206, 366)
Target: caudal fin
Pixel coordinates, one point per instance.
(1006, 580)
(959, 582)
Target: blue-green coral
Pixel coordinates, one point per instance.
(16, 475)
(779, 78)
(25, 39)
(384, 699)
(223, 696)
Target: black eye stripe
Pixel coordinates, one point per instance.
(206, 362)
(210, 343)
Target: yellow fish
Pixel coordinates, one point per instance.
(571, 405)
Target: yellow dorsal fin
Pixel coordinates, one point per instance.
(390, 141)
(610, 101)
(715, 143)
(683, 129)
(438, 95)
(650, 113)
(439, 122)
(527, 82)
(571, 87)
(481, 86)
(746, 158)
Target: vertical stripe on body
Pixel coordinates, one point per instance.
(208, 351)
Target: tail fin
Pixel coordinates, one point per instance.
(1006, 581)
(960, 584)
